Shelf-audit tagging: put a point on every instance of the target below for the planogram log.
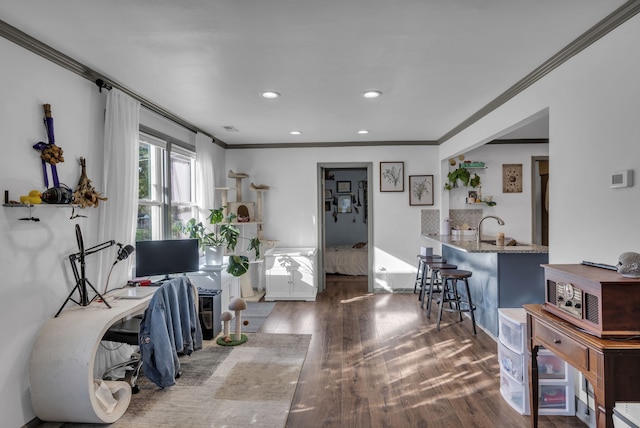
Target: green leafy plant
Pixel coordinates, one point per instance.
(223, 232)
(464, 176)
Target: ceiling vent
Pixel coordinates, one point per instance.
(230, 128)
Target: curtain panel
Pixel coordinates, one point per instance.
(120, 177)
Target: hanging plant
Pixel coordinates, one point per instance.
(464, 176)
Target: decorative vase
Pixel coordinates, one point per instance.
(213, 255)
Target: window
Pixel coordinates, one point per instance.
(166, 189)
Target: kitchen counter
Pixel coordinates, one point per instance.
(502, 276)
(469, 244)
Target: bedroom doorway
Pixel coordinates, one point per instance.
(345, 222)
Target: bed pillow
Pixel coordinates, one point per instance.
(360, 245)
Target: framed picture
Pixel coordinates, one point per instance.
(392, 176)
(328, 194)
(343, 186)
(421, 190)
(512, 178)
(344, 204)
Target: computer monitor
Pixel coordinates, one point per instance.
(166, 257)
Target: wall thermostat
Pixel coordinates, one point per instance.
(623, 178)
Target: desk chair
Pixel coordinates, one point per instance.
(126, 331)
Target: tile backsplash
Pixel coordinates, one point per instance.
(430, 220)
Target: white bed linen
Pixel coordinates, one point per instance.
(346, 260)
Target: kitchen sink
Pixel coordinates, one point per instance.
(493, 242)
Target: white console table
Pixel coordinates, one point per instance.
(62, 359)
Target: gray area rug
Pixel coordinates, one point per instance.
(250, 385)
(255, 313)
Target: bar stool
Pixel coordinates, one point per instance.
(421, 274)
(450, 295)
(435, 282)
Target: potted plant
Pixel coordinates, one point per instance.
(464, 176)
(223, 235)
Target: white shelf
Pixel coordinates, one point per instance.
(41, 205)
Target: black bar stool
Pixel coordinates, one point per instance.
(434, 283)
(421, 274)
(450, 295)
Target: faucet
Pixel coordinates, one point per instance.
(479, 228)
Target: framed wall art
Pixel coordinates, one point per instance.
(343, 186)
(392, 176)
(344, 204)
(512, 178)
(421, 190)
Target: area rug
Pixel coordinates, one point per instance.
(255, 314)
(250, 385)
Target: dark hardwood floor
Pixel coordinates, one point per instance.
(376, 361)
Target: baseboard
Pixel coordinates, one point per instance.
(585, 414)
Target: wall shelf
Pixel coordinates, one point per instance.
(41, 205)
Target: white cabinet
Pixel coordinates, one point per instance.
(556, 390)
(291, 274)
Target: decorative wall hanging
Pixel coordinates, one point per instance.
(421, 190)
(512, 178)
(344, 204)
(392, 176)
(343, 186)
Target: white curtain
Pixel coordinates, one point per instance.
(120, 182)
(205, 181)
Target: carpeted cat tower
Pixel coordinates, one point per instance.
(237, 305)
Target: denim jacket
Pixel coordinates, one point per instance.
(169, 326)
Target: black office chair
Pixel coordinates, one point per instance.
(126, 331)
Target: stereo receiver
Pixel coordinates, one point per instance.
(600, 301)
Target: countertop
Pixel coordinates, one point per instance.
(468, 244)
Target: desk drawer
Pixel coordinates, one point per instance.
(566, 348)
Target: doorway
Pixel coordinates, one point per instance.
(540, 199)
(345, 212)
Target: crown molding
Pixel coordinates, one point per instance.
(599, 30)
(333, 144)
(24, 40)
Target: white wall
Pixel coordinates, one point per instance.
(514, 208)
(291, 203)
(33, 255)
(594, 105)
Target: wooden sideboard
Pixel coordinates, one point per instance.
(612, 366)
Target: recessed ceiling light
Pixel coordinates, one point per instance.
(371, 94)
(295, 132)
(270, 94)
(363, 131)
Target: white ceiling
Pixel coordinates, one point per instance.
(437, 62)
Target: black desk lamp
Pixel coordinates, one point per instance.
(80, 277)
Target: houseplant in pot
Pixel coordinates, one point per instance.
(213, 241)
(224, 235)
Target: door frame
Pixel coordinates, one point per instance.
(536, 199)
(321, 167)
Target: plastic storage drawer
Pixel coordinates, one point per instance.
(514, 393)
(511, 363)
(551, 367)
(512, 323)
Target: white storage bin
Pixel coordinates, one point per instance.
(551, 367)
(514, 393)
(553, 397)
(511, 324)
(512, 363)
(626, 415)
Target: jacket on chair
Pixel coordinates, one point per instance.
(169, 326)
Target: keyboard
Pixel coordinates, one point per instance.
(134, 292)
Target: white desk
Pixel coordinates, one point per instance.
(62, 359)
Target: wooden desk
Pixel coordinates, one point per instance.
(611, 366)
(62, 360)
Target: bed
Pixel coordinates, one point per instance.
(347, 259)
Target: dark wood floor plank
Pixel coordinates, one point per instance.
(376, 361)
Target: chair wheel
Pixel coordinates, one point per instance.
(135, 389)
(178, 374)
